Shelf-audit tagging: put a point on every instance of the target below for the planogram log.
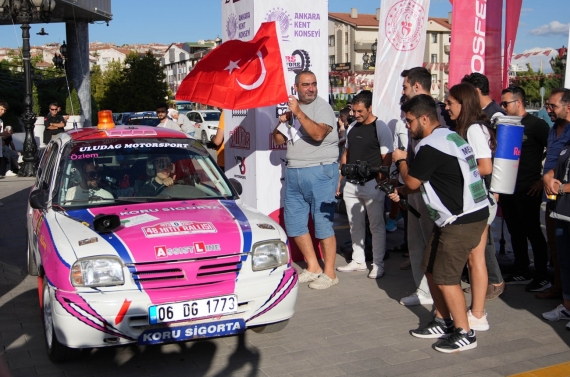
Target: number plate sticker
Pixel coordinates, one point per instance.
(180, 311)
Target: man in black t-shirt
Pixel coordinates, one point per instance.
(367, 140)
(53, 122)
(446, 171)
(481, 84)
(521, 210)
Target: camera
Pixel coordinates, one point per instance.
(361, 171)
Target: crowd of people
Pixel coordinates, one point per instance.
(443, 152)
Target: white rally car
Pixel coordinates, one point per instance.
(138, 237)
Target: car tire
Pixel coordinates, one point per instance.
(56, 351)
(204, 137)
(32, 266)
(271, 328)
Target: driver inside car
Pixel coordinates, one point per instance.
(161, 169)
(88, 188)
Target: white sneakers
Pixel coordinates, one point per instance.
(416, 298)
(478, 324)
(377, 272)
(352, 266)
(10, 173)
(307, 276)
(560, 312)
(323, 282)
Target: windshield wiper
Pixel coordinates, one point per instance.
(93, 198)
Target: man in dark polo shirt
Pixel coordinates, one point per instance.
(53, 123)
(446, 171)
(521, 210)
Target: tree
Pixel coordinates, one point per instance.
(144, 81)
(532, 81)
(72, 106)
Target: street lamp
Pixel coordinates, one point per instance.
(365, 59)
(59, 60)
(374, 47)
(24, 12)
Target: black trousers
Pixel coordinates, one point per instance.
(522, 215)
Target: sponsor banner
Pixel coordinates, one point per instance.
(303, 27)
(196, 331)
(468, 27)
(513, 13)
(401, 45)
(198, 247)
(493, 50)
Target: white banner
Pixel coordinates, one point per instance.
(401, 45)
(250, 155)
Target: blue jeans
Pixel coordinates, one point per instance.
(562, 235)
(311, 190)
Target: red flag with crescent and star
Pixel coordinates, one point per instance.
(239, 75)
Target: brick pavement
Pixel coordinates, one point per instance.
(356, 328)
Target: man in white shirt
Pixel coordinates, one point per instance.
(89, 186)
(185, 125)
(165, 122)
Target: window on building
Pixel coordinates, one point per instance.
(433, 58)
(346, 38)
(433, 37)
(434, 78)
(331, 40)
(331, 59)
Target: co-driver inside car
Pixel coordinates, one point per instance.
(88, 188)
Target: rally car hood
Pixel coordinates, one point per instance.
(166, 231)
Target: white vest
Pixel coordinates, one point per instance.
(474, 193)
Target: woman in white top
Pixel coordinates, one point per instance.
(464, 108)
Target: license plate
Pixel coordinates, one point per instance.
(180, 311)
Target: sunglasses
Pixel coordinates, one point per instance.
(506, 103)
(92, 174)
(551, 105)
(52, 109)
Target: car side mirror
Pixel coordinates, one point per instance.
(39, 199)
(236, 185)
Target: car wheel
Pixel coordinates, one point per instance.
(204, 137)
(56, 351)
(271, 328)
(32, 267)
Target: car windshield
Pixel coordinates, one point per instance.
(146, 121)
(110, 171)
(211, 117)
(184, 106)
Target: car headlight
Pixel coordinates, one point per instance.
(269, 254)
(97, 272)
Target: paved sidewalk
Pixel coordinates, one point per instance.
(356, 328)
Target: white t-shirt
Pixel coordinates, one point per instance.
(170, 124)
(478, 137)
(78, 193)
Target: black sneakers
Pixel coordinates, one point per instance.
(518, 278)
(538, 285)
(457, 342)
(435, 329)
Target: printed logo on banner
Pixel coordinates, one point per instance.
(275, 147)
(283, 20)
(239, 113)
(231, 26)
(241, 165)
(178, 228)
(160, 251)
(240, 138)
(404, 25)
(298, 61)
(197, 247)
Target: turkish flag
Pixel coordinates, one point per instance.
(239, 75)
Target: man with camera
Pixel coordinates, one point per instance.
(446, 171)
(310, 177)
(370, 140)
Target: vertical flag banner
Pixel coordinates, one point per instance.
(468, 28)
(513, 14)
(401, 45)
(493, 48)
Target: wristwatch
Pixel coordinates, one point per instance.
(561, 190)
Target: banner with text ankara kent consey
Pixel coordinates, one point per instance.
(401, 45)
(468, 26)
(250, 154)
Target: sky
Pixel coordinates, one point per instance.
(543, 24)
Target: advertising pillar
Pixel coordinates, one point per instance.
(251, 157)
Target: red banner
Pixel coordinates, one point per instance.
(493, 48)
(468, 28)
(511, 26)
(239, 75)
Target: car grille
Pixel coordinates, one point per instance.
(188, 272)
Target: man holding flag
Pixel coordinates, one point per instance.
(311, 176)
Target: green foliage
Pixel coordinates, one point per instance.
(36, 100)
(136, 85)
(532, 81)
(72, 106)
